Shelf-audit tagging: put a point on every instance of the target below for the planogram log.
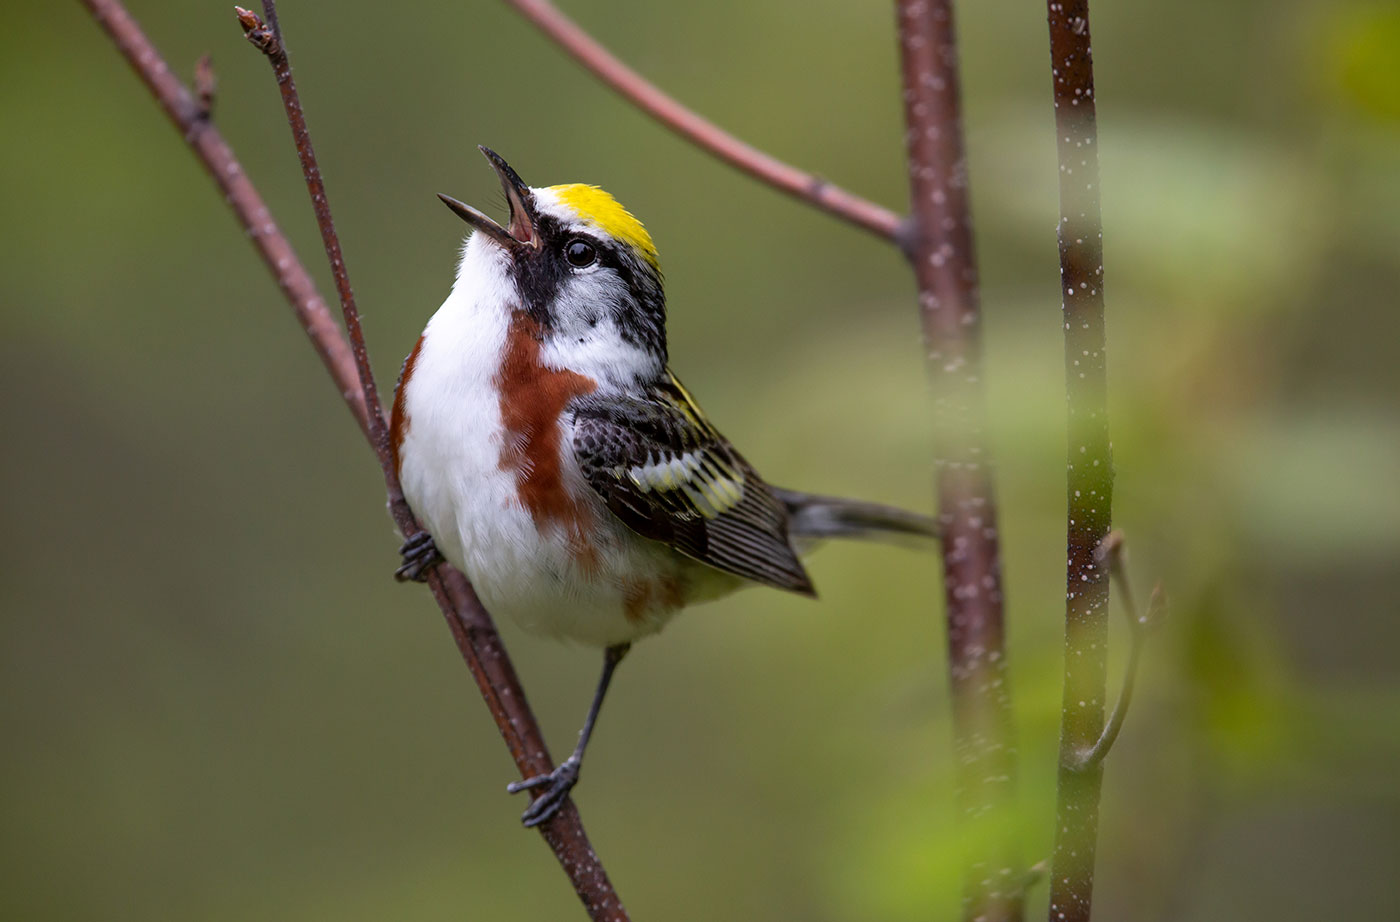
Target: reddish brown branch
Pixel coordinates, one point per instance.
(190, 118)
(267, 38)
(702, 132)
(1089, 488)
(471, 626)
(945, 266)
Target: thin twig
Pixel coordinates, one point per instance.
(945, 267)
(703, 133)
(455, 596)
(471, 626)
(1110, 552)
(267, 38)
(212, 151)
(1089, 486)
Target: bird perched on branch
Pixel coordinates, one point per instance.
(553, 457)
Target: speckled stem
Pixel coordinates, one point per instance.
(471, 626)
(940, 248)
(1090, 478)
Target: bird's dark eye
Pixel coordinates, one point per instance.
(580, 253)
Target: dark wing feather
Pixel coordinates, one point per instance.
(667, 473)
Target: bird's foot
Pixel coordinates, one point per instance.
(420, 554)
(557, 785)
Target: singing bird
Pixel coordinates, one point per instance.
(553, 457)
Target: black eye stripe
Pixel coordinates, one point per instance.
(541, 275)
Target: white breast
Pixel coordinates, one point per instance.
(454, 479)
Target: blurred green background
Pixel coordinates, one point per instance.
(215, 704)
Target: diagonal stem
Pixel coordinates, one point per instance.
(703, 133)
(267, 37)
(471, 626)
(191, 119)
(590, 881)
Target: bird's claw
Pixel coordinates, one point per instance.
(420, 555)
(557, 785)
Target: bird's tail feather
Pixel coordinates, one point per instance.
(813, 516)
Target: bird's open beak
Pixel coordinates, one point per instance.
(520, 231)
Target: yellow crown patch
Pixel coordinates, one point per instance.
(600, 209)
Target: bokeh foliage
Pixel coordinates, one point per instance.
(216, 705)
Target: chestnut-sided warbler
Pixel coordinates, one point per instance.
(552, 456)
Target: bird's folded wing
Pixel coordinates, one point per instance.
(663, 469)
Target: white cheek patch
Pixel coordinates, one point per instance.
(588, 299)
(602, 353)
